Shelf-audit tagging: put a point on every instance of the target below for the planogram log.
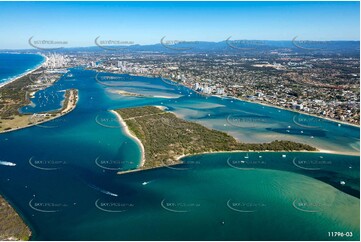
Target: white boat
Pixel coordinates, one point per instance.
(7, 163)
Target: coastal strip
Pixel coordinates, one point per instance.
(25, 73)
(295, 111)
(318, 151)
(15, 95)
(130, 134)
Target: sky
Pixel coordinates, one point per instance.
(79, 23)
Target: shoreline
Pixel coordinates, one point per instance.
(254, 102)
(273, 106)
(70, 107)
(132, 94)
(294, 111)
(179, 158)
(25, 73)
(18, 214)
(268, 151)
(137, 140)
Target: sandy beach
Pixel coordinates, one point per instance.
(132, 94)
(127, 131)
(163, 108)
(167, 97)
(26, 73)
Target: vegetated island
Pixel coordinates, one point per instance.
(11, 225)
(16, 94)
(166, 138)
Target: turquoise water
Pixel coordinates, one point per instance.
(65, 185)
(13, 65)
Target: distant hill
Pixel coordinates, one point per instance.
(226, 46)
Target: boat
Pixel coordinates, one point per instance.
(7, 163)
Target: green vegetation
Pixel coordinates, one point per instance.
(127, 113)
(11, 225)
(16, 94)
(166, 137)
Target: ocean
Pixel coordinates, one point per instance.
(14, 65)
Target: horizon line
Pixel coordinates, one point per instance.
(184, 41)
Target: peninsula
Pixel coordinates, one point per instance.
(166, 138)
(16, 94)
